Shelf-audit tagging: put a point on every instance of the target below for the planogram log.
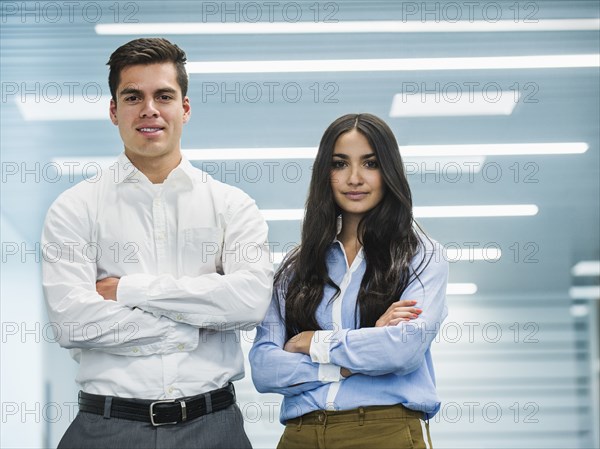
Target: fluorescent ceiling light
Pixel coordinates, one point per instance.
(225, 154)
(415, 156)
(65, 108)
(370, 26)
(417, 151)
(446, 165)
(495, 149)
(453, 104)
(451, 289)
(277, 256)
(579, 310)
(496, 210)
(585, 292)
(412, 164)
(466, 288)
(393, 65)
(586, 268)
(282, 214)
(451, 254)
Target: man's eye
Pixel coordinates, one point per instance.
(131, 98)
(165, 97)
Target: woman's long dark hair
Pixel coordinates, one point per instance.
(387, 233)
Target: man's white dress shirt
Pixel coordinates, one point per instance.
(194, 268)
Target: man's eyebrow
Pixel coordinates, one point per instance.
(166, 90)
(345, 156)
(129, 91)
(132, 90)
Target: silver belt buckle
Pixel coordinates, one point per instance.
(152, 414)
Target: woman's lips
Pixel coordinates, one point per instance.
(355, 195)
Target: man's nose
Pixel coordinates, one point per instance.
(149, 109)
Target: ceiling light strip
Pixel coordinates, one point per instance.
(408, 152)
(354, 27)
(453, 104)
(450, 254)
(406, 64)
(496, 210)
(464, 288)
(586, 268)
(585, 292)
(507, 149)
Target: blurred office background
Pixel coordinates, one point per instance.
(495, 106)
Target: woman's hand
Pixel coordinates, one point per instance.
(399, 311)
(345, 372)
(300, 343)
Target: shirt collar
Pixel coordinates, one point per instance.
(359, 256)
(182, 175)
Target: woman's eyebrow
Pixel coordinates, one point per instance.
(345, 156)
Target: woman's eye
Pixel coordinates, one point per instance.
(372, 163)
(338, 164)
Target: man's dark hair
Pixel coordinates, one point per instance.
(146, 51)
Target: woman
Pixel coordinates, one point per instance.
(356, 306)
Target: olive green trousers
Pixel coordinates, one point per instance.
(379, 427)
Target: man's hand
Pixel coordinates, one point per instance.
(300, 343)
(107, 288)
(398, 311)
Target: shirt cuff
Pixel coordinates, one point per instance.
(132, 288)
(328, 372)
(319, 346)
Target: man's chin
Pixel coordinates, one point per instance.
(149, 152)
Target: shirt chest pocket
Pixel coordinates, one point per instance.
(201, 251)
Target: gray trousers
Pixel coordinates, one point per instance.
(222, 429)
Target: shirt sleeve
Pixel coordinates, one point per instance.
(236, 299)
(401, 349)
(277, 371)
(80, 317)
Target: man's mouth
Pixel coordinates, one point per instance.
(150, 130)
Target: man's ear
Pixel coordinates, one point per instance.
(113, 112)
(187, 110)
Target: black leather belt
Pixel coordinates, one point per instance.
(161, 412)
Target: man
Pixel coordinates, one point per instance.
(151, 272)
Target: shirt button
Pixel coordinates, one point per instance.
(180, 347)
(136, 350)
(180, 317)
(170, 389)
(320, 417)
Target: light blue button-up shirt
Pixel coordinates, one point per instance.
(391, 365)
